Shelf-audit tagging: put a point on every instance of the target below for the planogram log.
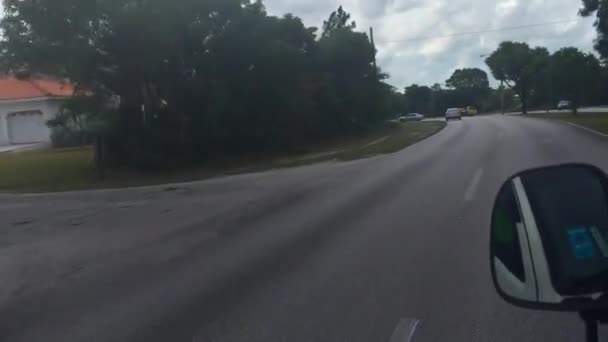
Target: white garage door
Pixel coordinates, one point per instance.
(26, 127)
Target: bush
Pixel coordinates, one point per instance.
(62, 137)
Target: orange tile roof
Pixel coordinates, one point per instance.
(12, 88)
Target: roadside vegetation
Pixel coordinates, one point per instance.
(530, 78)
(73, 168)
(169, 85)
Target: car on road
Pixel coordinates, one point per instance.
(453, 114)
(564, 105)
(412, 117)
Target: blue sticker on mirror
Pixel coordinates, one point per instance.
(581, 243)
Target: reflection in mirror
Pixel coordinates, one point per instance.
(549, 238)
(571, 212)
(509, 245)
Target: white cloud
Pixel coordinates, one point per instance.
(433, 60)
(506, 7)
(434, 47)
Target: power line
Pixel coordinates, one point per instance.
(510, 28)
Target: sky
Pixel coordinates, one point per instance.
(429, 61)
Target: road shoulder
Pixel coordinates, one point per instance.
(594, 123)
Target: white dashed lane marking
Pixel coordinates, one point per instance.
(473, 185)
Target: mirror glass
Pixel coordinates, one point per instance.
(549, 238)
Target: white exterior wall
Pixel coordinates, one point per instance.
(48, 107)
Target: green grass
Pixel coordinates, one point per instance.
(391, 140)
(595, 121)
(46, 170)
(72, 169)
(388, 139)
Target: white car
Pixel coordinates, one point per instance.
(564, 105)
(412, 117)
(453, 113)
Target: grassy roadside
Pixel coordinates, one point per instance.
(72, 169)
(594, 121)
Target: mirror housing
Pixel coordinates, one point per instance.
(549, 239)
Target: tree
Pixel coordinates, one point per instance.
(574, 75)
(474, 79)
(353, 90)
(396, 102)
(200, 79)
(472, 85)
(418, 98)
(520, 67)
(436, 97)
(497, 98)
(337, 20)
(203, 78)
(600, 8)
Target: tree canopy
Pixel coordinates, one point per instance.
(531, 76)
(470, 85)
(519, 66)
(574, 75)
(418, 98)
(337, 20)
(600, 8)
(203, 78)
(469, 78)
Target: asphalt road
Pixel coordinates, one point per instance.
(357, 251)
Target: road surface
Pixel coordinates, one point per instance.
(358, 251)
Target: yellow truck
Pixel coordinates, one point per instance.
(469, 111)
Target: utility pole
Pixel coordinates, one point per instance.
(371, 37)
(502, 98)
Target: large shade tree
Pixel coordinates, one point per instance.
(574, 76)
(519, 67)
(469, 78)
(470, 84)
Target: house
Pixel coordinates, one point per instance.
(26, 105)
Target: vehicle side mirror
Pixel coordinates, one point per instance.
(549, 239)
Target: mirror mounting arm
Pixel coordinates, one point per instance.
(592, 320)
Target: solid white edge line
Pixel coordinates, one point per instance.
(405, 329)
(587, 129)
(414, 326)
(473, 184)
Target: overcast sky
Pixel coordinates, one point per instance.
(433, 60)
